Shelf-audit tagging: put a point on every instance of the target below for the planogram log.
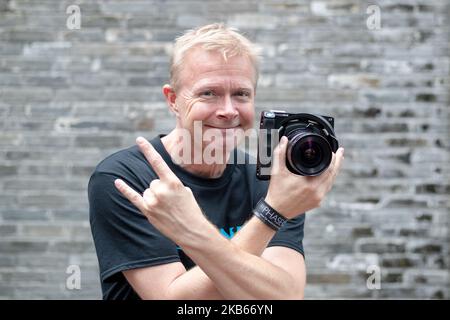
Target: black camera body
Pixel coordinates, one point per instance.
(311, 142)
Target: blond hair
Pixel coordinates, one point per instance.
(213, 37)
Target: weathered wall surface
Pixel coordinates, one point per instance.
(68, 98)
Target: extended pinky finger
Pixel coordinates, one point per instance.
(134, 197)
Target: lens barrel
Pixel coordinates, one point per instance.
(308, 153)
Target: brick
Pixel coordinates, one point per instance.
(98, 141)
(425, 247)
(437, 261)
(43, 231)
(82, 170)
(7, 170)
(142, 21)
(83, 35)
(44, 170)
(18, 35)
(46, 111)
(139, 65)
(68, 124)
(392, 276)
(28, 277)
(23, 246)
(47, 142)
(341, 7)
(94, 109)
(55, 82)
(362, 232)
(353, 81)
(7, 261)
(147, 81)
(50, 185)
(372, 245)
(401, 261)
(352, 262)
(72, 214)
(427, 277)
(23, 95)
(33, 261)
(42, 201)
(6, 230)
(10, 212)
(73, 247)
(101, 21)
(336, 278)
(78, 233)
(432, 292)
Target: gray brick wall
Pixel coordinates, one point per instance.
(68, 98)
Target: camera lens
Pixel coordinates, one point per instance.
(308, 154)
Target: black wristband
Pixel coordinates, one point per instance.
(269, 215)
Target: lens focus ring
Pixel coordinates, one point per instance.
(308, 154)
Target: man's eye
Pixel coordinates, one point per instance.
(208, 93)
(243, 94)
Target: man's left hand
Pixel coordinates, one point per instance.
(167, 203)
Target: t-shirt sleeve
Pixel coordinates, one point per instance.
(291, 235)
(123, 237)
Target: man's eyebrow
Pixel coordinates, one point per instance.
(209, 86)
(206, 87)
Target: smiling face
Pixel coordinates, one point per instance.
(218, 94)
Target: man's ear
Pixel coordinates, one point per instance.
(171, 97)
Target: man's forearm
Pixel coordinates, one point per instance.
(195, 284)
(250, 242)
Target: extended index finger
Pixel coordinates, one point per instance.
(156, 161)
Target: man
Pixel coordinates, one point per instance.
(166, 229)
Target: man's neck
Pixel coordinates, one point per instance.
(172, 144)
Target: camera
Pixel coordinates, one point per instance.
(311, 142)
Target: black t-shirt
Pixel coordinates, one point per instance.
(124, 238)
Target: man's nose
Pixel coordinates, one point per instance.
(227, 110)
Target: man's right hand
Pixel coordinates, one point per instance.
(291, 194)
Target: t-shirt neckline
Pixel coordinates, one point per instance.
(187, 176)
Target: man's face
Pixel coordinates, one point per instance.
(218, 93)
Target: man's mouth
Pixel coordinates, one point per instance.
(222, 127)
